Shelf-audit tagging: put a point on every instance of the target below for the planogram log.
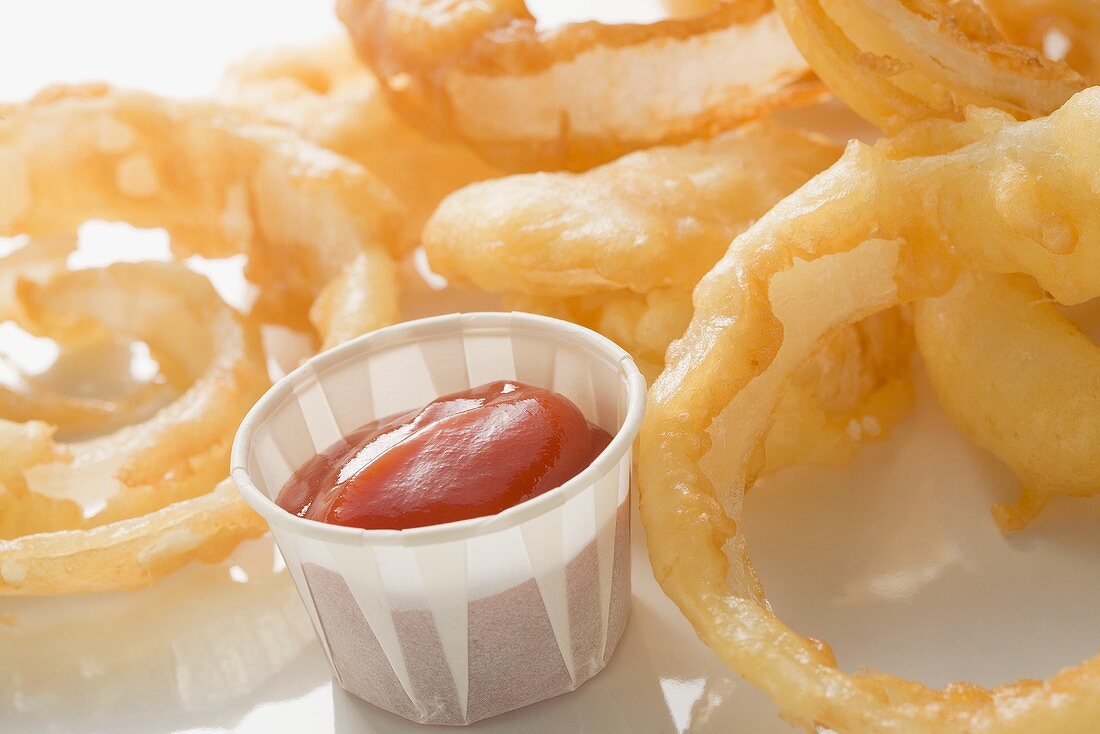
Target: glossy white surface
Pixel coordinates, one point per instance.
(893, 560)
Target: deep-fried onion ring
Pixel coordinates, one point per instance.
(970, 59)
(582, 94)
(1047, 24)
(312, 224)
(148, 485)
(1038, 406)
(25, 397)
(871, 232)
(219, 183)
(657, 218)
(897, 61)
(328, 95)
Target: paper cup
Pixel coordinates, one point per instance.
(453, 623)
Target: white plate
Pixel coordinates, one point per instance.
(893, 560)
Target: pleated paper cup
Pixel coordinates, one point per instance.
(453, 623)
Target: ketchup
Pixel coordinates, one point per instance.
(470, 454)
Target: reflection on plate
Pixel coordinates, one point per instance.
(201, 644)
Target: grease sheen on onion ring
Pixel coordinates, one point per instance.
(897, 61)
(1038, 409)
(118, 510)
(581, 94)
(873, 231)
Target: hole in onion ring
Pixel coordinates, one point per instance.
(912, 537)
(119, 376)
(853, 241)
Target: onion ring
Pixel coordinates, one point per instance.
(31, 397)
(74, 416)
(895, 62)
(657, 218)
(875, 230)
(1039, 407)
(146, 505)
(582, 94)
(1025, 88)
(219, 184)
(1047, 24)
(990, 425)
(326, 94)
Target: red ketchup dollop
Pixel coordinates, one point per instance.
(470, 454)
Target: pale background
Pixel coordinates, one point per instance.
(894, 560)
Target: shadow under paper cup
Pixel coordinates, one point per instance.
(453, 623)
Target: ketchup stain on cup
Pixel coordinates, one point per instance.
(469, 454)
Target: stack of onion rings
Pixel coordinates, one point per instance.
(877, 229)
(121, 509)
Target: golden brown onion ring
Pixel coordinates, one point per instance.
(871, 232)
(990, 428)
(1038, 405)
(129, 553)
(582, 94)
(657, 218)
(219, 183)
(328, 95)
(897, 61)
(118, 510)
(1048, 24)
(33, 397)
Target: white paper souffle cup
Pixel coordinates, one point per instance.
(452, 623)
